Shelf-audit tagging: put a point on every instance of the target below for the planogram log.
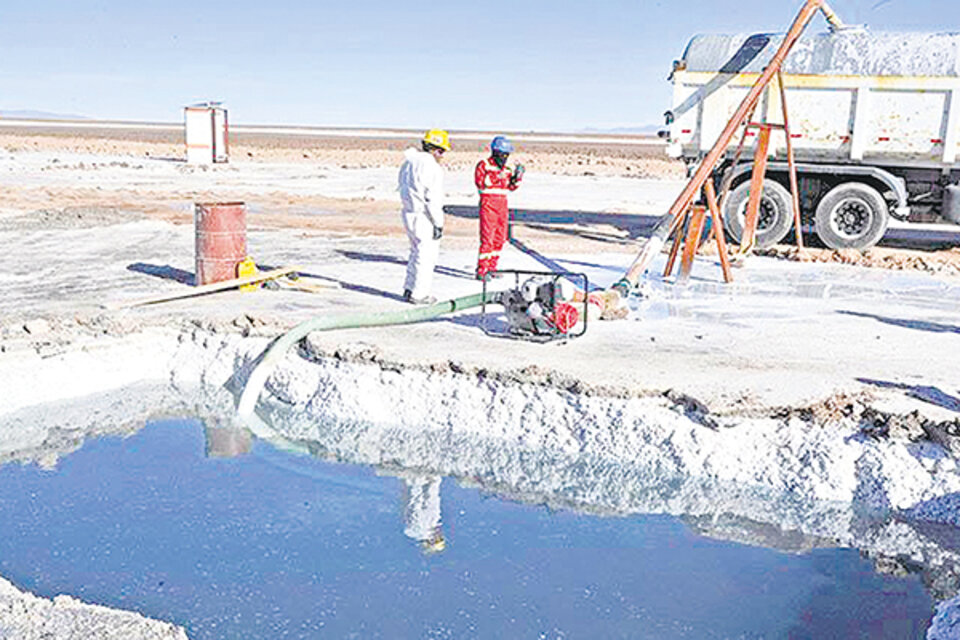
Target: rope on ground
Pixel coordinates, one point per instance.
(548, 263)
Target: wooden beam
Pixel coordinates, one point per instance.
(760, 156)
(674, 251)
(794, 185)
(205, 289)
(718, 230)
(692, 241)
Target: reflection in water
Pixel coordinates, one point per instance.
(421, 512)
(270, 545)
(422, 522)
(577, 484)
(226, 441)
(421, 491)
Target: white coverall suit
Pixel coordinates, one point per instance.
(421, 192)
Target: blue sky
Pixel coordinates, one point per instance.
(545, 65)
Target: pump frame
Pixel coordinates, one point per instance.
(580, 281)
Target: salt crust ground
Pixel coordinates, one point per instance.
(27, 617)
(946, 623)
(747, 397)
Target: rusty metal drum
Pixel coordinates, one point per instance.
(221, 240)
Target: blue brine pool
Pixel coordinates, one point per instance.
(274, 545)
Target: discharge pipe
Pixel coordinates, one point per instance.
(276, 351)
(836, 24)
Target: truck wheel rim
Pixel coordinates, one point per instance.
(765, 216)
(851, 218)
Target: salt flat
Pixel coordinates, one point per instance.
(784, 334)
(829, 381)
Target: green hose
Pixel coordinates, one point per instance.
(276, 351)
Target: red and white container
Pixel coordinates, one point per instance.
(206, 131)
(221, 240)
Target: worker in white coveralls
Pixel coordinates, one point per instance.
(421, 511)
(421, 192)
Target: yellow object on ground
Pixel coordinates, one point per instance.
(245, 269)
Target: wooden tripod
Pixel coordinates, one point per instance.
(682, 207)
(694, 216)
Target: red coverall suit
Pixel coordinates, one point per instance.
(493, 183)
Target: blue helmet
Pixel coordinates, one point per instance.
(501, 144)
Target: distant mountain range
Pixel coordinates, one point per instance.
(32, 114)
(647, 128)
(29, 114)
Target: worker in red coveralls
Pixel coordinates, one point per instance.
(494, 179)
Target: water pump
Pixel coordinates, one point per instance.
(540, 306)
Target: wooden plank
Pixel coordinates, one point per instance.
(760, 157)
(298, 284)
(205, 289)
(674, 250)
(692, 242)
(718, 231)
(794, 186)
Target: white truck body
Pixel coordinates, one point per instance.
(878, 109)
(885, 98)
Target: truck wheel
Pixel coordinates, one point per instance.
(852, 215)
(774, 219)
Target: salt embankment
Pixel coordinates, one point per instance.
(788, 481)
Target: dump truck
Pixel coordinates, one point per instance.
(874, 121)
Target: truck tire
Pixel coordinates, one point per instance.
(852, 215)
(774, 219)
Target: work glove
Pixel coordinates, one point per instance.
(437, 232)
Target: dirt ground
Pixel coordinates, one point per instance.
(74, 205)
(78, 205)
(946, 261)
(355, 153)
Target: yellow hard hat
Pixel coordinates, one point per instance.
(434, 544)
(438, 138)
